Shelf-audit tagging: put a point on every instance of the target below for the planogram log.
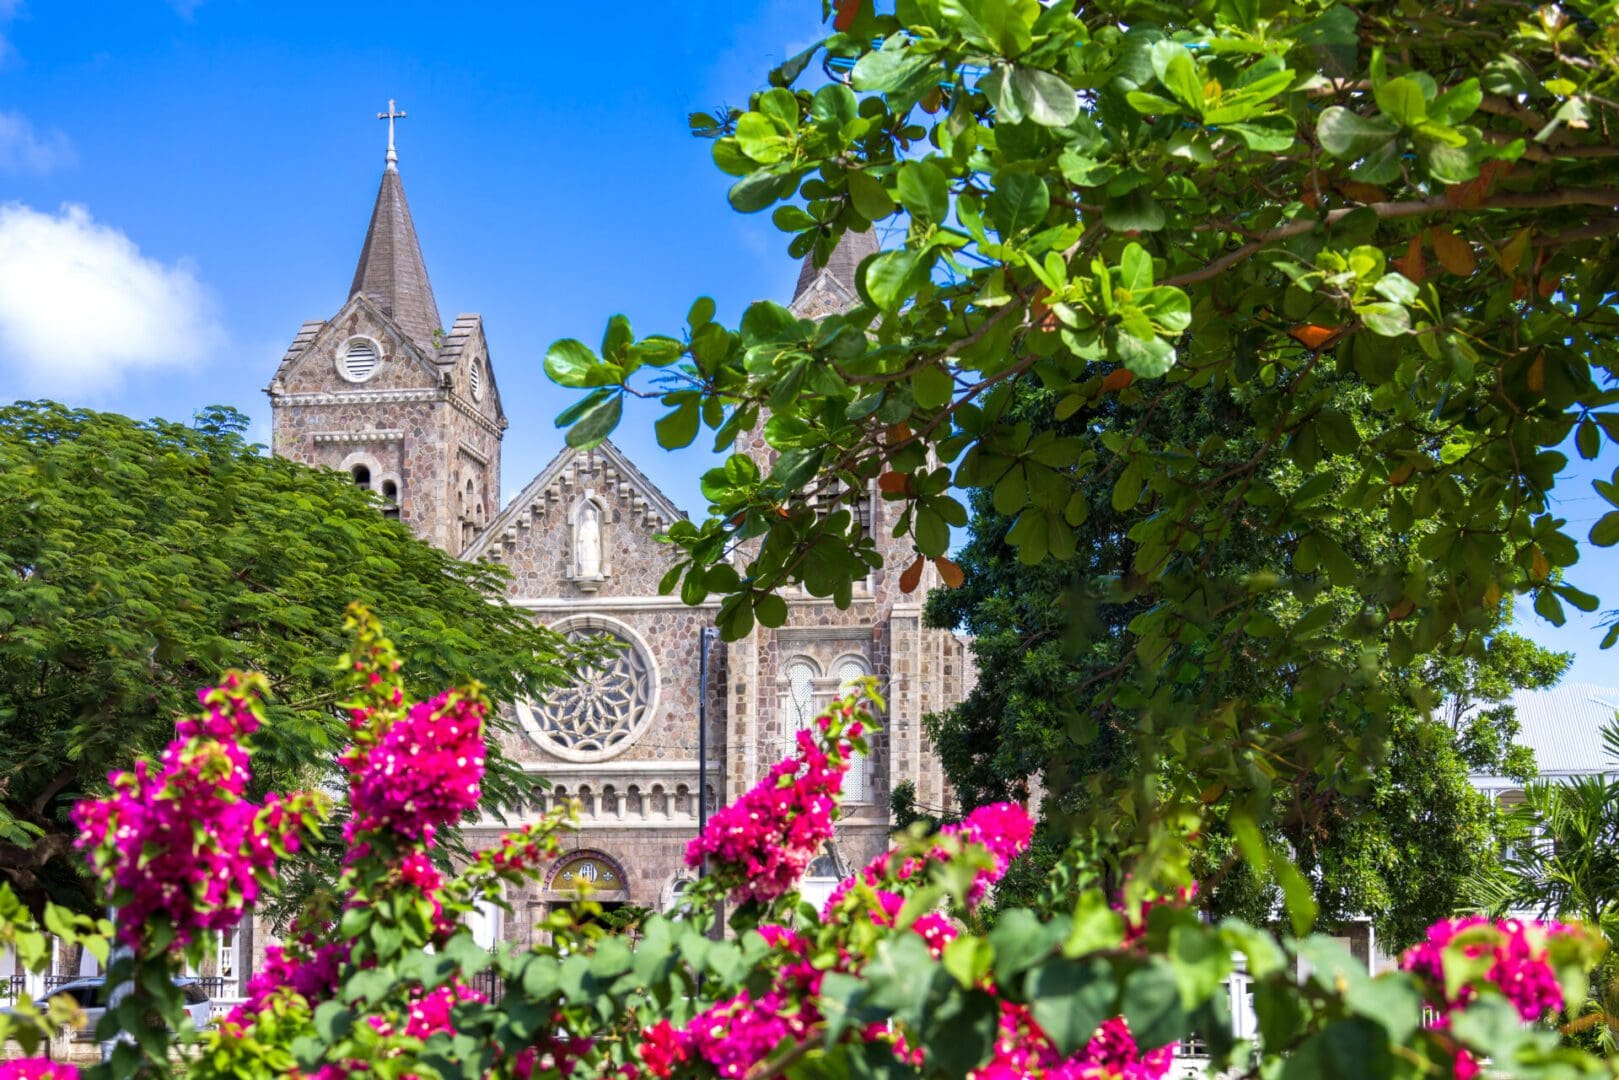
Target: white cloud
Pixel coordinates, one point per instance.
(22, 149)
(186, 8)
(81, 307)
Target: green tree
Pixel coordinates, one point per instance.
(1152, 204)
(1395, 849)
(141, 560)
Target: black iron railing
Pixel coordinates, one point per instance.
(13, 987)
(489, 983)
(56, 982)
(215, 986)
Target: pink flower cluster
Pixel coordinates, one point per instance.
(178, 839)
(37, 1069)
(760, 845)
(1005, 829)
(1023, 1050)
(732, 1036)
(311, 971)
(424, 772)
(1519, 968)
(429, 1011)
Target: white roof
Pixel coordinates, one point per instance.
(1563, 726)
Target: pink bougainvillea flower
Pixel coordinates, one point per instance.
(760, 845)
(177, 839)
(425, 771)
(37, 1069)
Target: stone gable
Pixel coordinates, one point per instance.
(315, 368)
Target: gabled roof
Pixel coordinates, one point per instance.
(1563, 726)
(310, 332)
(391, 271)
(454, 346)
(657, 509)
(300, 341)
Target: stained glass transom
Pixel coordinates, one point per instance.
(601, 712)
(586, 873)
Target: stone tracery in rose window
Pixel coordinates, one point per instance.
(602, 710)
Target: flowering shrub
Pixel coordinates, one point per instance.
(892, 978)
(37, 1069)
(182, 847)
(761, 844)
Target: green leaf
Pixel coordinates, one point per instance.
(1605, 533)
(1397, 287)
(924, 191)
(889, 68)
(677, 430)
(1148, 358)
(758, 190)
(1152, 1004)
(932, 387)
(1018, 203)
(1045, 98)
(1070, 999)
(1176, 69)
(1201, 963)
(1297, 896)
(597, 422)
(1345, 134)
(1401, 100)
(1096, 925)
(1135, 268)
(1002, 26)
(571, 363)
(869, 196)
(1136, 211)
(892, 277)
(1385, 320)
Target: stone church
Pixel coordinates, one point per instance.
(412, 410)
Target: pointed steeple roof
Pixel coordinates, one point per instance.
(391, 271)
(840, 266)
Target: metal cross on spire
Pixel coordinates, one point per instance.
(391, 115)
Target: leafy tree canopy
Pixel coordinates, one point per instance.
(1397, 849)
(141, 560)
(1146, 203)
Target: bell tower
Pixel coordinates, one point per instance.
(383, 392)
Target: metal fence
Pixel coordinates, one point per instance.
(215, 986)
(13, 987)
(489, 983)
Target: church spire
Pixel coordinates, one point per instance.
(839, 267)
(391, 272)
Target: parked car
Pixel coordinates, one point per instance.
(90, 994)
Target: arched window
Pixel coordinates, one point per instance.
(800, 698)
(362, 477)
(850, 670)
(390, 498)
(819, 881)
(484, 922)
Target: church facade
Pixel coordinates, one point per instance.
(411, 410)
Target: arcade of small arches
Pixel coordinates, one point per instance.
(654, 802)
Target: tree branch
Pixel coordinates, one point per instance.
(1533, 200)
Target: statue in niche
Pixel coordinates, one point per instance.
(588, 542)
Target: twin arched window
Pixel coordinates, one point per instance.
(808, 693)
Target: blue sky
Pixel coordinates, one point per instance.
(216, 161)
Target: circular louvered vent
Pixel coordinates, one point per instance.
(476, 379)
(359, 360)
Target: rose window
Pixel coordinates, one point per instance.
(599, 714)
